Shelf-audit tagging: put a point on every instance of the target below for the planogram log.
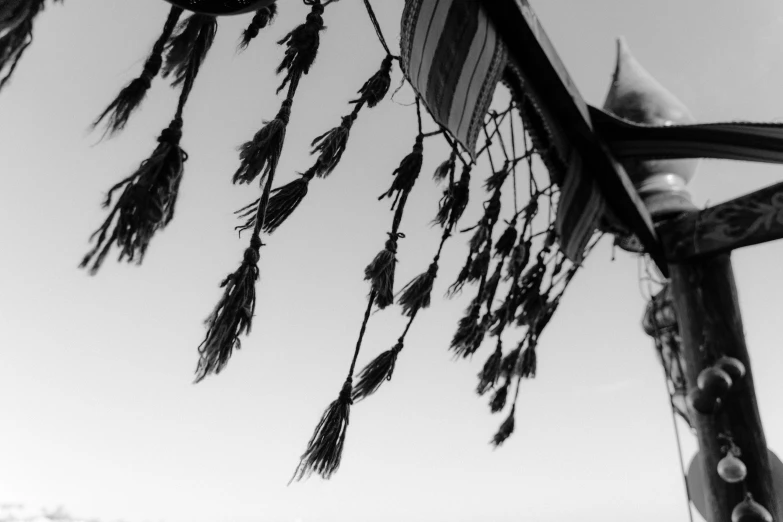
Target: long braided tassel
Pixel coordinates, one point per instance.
(324, 451)
(119, 111)
(149, 195)
(233, 315)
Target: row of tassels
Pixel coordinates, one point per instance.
(147, 200)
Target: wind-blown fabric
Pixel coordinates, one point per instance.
(454, 59)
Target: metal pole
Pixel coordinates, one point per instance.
(710, 323)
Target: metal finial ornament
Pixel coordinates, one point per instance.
(638, 97)
(750, 511)
(221, 7)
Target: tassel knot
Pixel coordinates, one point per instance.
(172, 134)
(151, 68)
(346, 391)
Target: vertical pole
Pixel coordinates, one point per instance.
(705, 298)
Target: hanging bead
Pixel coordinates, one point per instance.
(714, 382)
(731, 366)
(702, 402)
(732, 469)
(750, 511)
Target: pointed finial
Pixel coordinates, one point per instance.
(638, 97)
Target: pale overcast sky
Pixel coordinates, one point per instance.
(95, 383)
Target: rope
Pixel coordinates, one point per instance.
(650, 281)
(378, 32)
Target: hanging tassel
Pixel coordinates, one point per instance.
(416, 294)
(18, 29)
(490, 373)
(281, 205)
(191, 43)
(146, 204)
(520, 257)
(325, 448)
(548, 311)
(528, 362)
(405, 175)
(375, 89)
(480, 236)
(506, 429)
(446, 169)
(376, 373)
(302, 45)
(380, 272)
(469, 333)
(498, 401)
(506, 241)
(263, 17)
(454, 200)
(510, 362)
(331, 146)
(496, 180)
(233, 315)
(491, 286)
(480, 266)
(462, 278)
(260, 155)
(505, 312)
(130, 97)
(285, 200)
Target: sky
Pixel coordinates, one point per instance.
(99, 411)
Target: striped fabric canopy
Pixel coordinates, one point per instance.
(453, 58)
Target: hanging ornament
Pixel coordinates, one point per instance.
(702, 402)
(714, 382)
(731, 468)
(750, 511)
(731, 366)
(221, 7)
